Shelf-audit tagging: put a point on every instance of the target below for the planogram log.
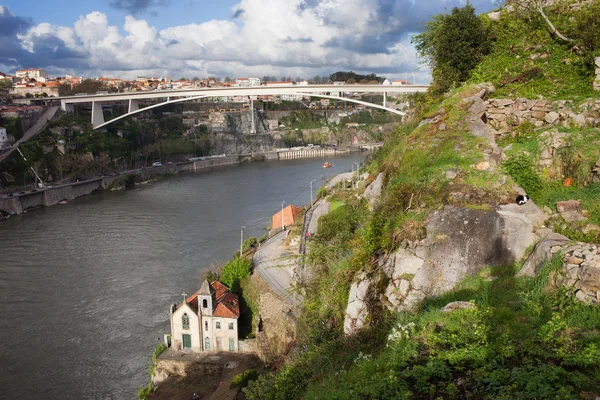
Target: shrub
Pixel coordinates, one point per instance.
(452, 45)
(242, 380)
(234, 271)
(249, 244)
(520, 167)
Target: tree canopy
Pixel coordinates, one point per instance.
(452, 45)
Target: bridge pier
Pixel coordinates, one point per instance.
(133, 105)
(385, 99)
(97, 115)
(69, 108)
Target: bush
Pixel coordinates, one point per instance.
(249, 244)
(242, 380)
(234, 271)
(520, 167)
(452, 45)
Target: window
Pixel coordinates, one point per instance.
(218, 325)
(205, 325)
(186, 321)
(231, 326)
(207, 344)
(204, 303)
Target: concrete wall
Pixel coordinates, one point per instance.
(215, 162)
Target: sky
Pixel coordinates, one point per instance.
(201, 38)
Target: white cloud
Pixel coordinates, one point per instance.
(275, 37)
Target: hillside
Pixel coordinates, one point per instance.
(440, 286)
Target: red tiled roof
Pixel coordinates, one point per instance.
(220, 290)
(228, 307)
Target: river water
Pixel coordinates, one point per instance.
(85, 287)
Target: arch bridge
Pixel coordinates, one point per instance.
(165, 97)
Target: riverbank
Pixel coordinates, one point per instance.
(18, 203)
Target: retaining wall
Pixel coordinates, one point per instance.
(503, 114)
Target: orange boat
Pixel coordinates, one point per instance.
(327, 165)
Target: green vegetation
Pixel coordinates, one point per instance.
(521, 338)
(242, 380)
(146, 391)
(527, 61)
(235, 271)
(452, 45)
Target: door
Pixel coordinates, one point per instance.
(231, 344)
(187, 341)
(219, 344)
(207, 344)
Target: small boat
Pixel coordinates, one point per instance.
(327, 165)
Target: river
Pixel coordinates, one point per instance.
(85, 287)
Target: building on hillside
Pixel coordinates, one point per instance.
(206, 320)
(3, 138)
(290, 215)
(32, 73)
(247, 82)
(400, 82)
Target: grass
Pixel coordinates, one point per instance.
(518, 341)
(524, 45)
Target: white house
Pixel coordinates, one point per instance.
(247, 82)
(206, 320)
(35, 73)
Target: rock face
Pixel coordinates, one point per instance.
(373, 191)
(569, 210)
(459, 242)
(357, 310)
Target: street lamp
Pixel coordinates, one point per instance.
(242, 240)
(282, 225)
(311, 192)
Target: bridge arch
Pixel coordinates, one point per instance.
(164, 103)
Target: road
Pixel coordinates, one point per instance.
(275, 262)
(39, 126)
(338, 178)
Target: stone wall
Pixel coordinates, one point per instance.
(166, 368)
(277, 327)
(505, 114)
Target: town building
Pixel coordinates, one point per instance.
(206, 320)
(400, 82)
(247, 82)
(290, 215)
(32, 73)
(3, 138)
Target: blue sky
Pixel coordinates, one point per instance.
(297, 38)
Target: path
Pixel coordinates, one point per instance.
(338, 178)
(275, 262)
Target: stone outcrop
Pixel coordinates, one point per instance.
(503, 114)
(459, 242)
(357, 309)
(373, 191)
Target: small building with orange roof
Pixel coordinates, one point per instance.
(206, 321)
(290, 215)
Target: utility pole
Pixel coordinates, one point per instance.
(242, 241)
(282, 225)
(252, 128)
(311, 192)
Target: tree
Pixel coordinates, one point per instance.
(234, 271)
(452, 45)
(227, 79)
(5, 83)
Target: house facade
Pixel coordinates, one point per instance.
(206, 320)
